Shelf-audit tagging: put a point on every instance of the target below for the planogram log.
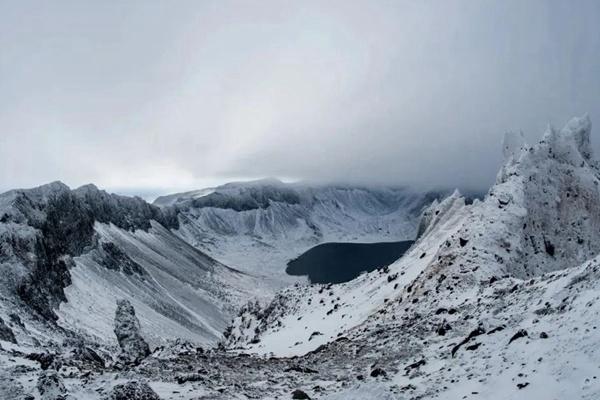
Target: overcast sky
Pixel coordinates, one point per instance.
(149, 97)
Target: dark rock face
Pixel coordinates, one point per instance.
(64, 223)
(248, 198)
(127, 329)
(133, 391)
(112, 257)
(67, 230)
(128, 213)
(51, 386)
(6, 333)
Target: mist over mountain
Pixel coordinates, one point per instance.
(198, 95)
(190, 294)
(326, 200)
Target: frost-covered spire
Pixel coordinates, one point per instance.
(578, 130)
(571, 144)
(512, 145)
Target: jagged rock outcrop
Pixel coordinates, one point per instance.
(41, 229)
(127, 329)
(65, 252)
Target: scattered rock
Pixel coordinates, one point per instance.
(133, 391)
(522, 385)
(474, 333)
(415, 365)
(443, 328)
(189, 378)
(51, 386)
(45, 359)
(304, 370)
(543, 335)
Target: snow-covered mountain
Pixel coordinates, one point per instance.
(495, 300)
(67, 255)
(259, 226)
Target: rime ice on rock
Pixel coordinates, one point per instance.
(127, 329)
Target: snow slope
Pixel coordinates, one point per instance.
(67, 256)
(496, 300)
(178, 292)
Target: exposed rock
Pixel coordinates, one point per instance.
(521, 333)
(15, 319)
(88, 354)
(304, 370)
(45, 359)
(299, 394)
(415, 365)
(189, 378)
(479, 331)
(127, 329)
(443, 328)
(112, 257)
(133, 391)
(6, 333)
(378, 372)
(51, 386)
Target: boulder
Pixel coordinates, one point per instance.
(299, 394)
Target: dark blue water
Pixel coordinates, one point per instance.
(342, 262)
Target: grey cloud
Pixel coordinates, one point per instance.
(149, 96)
